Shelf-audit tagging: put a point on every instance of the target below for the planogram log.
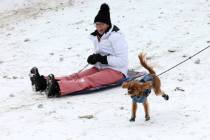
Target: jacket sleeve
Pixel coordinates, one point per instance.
(120, 47)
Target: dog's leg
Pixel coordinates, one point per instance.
(146, 110)
(161, 93)
(134, 108)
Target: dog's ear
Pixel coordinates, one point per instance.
(128, 85)
(125, 85)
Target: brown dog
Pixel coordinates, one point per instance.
(136, 89)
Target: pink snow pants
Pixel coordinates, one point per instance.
(89, 78)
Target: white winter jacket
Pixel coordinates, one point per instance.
(113, 45)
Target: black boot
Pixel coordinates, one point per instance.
(38, 82)
(165, 96)
(53, 89)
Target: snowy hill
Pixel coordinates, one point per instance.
(54, 37)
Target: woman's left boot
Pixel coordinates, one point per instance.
(53, 89)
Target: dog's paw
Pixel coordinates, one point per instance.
(147, 117)
(165, 96)
(132, 119)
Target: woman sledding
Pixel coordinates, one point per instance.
(110, 62)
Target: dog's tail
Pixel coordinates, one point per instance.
(145, 65)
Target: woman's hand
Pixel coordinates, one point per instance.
(94, 58)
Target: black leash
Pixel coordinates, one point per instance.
(169, 68)
(183, 61)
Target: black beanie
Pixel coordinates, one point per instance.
(103, 15)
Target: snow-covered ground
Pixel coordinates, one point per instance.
(54, 37)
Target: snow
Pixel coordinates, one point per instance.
(54, 37)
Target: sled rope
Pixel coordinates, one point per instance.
(83, 68)
(183, 61)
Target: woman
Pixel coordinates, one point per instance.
(110, 61)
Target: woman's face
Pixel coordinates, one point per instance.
(101, 27)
